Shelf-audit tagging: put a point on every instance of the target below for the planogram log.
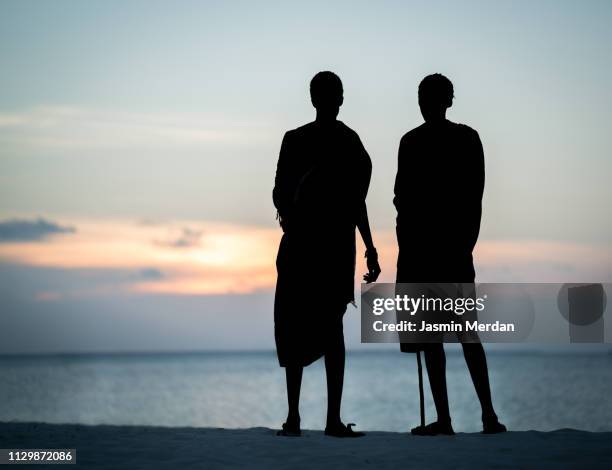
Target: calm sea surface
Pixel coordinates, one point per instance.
(541, 391)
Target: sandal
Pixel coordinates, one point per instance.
(340, 430)
(433, 429)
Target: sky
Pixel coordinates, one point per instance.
(138, 144)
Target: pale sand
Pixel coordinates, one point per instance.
(141, 447)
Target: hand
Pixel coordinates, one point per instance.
(373, 266)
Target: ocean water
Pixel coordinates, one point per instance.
(542, 391)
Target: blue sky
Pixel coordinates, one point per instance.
(172, 113)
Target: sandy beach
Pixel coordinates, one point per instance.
(141, 447)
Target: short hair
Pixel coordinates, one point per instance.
(325, 88)
(436, 87)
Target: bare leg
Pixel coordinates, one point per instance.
(477, 364)
(294, 385)
(334, 370)
(435, 360)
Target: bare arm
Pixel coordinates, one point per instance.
(363, 224)
(474, 193)
(397, 197)
(281, 194)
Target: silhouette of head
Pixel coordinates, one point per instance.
(435, 96)
(326, 94)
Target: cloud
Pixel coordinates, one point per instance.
(151, 274)
(50, 283)
(189, 238)
(109, 255)
(221, 258)
(22, 230)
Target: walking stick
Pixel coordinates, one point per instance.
(421, 395)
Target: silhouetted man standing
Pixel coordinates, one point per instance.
(322, 179)
(438, 196)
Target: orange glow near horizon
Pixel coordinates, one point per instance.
(206, 258)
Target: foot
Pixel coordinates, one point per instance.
(340, 430)
(290, 430)
(434, 429)
(493, 427)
